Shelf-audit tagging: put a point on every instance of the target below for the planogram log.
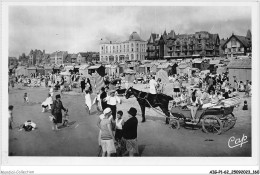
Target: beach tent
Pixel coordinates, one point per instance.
(163, 75)
(240, 70)
(21, 71)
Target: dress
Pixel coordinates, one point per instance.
(88, 101)
(56, 111)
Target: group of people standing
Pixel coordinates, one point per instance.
(118, 136)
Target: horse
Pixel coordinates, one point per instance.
(150, 100)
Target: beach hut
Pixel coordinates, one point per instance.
(166, 67)
(31, 70)
(69, 67)
(47, 70)
(183, 68)
(212, 67)
(239, 70)
(153, 67)
(221, 68)
(21, 70)
(56, 69)
(113, 70)
(40, 70)
(163, 75)
(142, 69)
(129, 75)
(200, 64)
(83, 69)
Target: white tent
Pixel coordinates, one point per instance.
(163, 75)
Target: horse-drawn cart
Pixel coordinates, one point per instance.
(215, 119)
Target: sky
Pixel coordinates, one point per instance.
(80, 29)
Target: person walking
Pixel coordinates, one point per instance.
(56, 112)
(130, 133)
(83, 85)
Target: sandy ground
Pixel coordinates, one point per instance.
(80, 139)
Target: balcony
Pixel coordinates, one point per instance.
(198, 48)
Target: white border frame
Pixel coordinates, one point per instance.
(209, 163)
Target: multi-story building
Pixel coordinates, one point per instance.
(58, 57)
(132, 49)
(187, 45)
(238, 45)
(152, 47)
(36, 57)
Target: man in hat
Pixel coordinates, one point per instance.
(112, 101)
(130, 133)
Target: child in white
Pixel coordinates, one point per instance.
(88, 101)
(51, 91)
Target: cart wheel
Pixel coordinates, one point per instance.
(229, 122)
(212, 124)
(174, 123)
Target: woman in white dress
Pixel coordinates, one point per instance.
(88, 101)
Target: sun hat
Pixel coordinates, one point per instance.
(132, 111)
(106, 111)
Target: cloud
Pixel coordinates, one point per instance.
(76, 29)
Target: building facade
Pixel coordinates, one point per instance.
(58, 57)
(36, 57)
(238, 45)
(187, 45)
(152, 47)
(132, 49)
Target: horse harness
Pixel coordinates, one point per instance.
(146, 98)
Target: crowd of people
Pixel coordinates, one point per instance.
(118, 132)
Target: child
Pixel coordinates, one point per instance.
(119, 125)
(51, 91)
(245, 107)
(66, 118)
(88, 101)
(28, 126)
(11, 119)
(25, 98)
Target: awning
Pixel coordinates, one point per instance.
(93, 67)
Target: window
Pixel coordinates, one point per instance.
(132, 56)
(233, 42)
